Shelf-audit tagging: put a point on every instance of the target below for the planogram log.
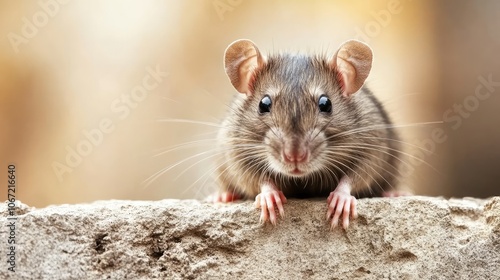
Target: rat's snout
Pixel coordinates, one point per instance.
(295, 152)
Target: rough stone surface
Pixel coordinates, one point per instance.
(399, 238)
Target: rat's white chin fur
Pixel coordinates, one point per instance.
(297, 171)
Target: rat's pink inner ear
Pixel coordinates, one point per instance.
(241, 60)
(353, 61)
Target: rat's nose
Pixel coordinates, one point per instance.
(295, 155)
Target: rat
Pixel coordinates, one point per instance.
(305, 126)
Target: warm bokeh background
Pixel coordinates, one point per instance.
(65, 64)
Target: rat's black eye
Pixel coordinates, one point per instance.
(265, 105)
(325, 105)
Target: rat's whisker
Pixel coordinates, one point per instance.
(196, 163)
(190, 122)
(184, 145)
(380, 167)
(383, 126)
(162, 171)
(355, 172)
(398, 97)
(380, 149)
(393, 140)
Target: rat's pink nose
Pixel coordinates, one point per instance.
(295, 155)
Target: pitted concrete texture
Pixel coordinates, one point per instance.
(393, 238)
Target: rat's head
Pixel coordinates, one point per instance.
(293, 105)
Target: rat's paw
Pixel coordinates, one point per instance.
(266, 201)
(341, 203)
(222, 197)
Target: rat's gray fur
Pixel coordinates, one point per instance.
(250, 142)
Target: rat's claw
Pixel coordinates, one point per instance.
(341, 204)
(345, 213)
(279, 203)
(338, 210)
(270, 208)
(263, 213)
(328, 200)
(354, 209)
(332, 201)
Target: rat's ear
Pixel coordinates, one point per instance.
(353, 62)
(241, 59)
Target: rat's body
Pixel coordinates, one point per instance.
(305, 127)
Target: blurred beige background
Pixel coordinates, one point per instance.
(83, 85)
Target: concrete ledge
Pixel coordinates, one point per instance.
(400, 238)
